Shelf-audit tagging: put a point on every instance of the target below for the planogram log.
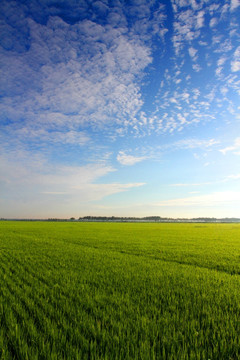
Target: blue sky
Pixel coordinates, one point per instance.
(125, 108)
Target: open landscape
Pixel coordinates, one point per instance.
(120, 180)
(76, 290)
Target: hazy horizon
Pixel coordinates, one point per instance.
(116, 109)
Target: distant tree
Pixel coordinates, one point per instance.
(72, 218)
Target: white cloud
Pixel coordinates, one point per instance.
(187, 25)
(195, 143)
(218, 71)
(233, 177)
(185, 96)
(235, 147)
(196, 67)
(221, 61)
(234, 4)
(213, 22)
(38, 187)
(54, 193)
(235, 64)
(193, 53)
(220, 45)
(177, 81)
(200, 19)
(125, 159)
(191, 184)
(24, 168)
(86, 73)
(67, 137)
(155, 152)
(224, 90)
(223, 198)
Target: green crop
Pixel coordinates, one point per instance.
(119, 291)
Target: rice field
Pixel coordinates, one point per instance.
(119, 291)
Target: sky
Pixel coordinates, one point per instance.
(119, 108)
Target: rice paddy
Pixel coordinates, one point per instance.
(119, 291)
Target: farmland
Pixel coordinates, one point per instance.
(119, 291)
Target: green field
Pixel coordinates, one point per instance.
(119, 291)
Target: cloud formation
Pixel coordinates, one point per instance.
(63, 67)
(68, 186)
(90, 88)
(224, 198)
(235, 148)
(55, 63)
(126, 159)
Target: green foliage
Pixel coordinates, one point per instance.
(119, 291)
